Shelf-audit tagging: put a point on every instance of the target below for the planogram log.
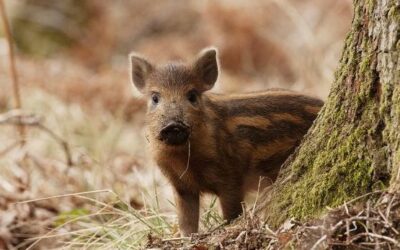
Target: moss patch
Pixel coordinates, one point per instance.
(334, 176)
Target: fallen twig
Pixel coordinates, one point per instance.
(10, 147)
(319, 242)
(383, 237)
(176, 239)
(17, 117)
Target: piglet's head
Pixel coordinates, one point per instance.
(174, 93)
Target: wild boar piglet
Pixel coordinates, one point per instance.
(213, 143)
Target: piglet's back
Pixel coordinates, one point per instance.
(263, 127)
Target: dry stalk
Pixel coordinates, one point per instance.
(188, 161)
(13, 69)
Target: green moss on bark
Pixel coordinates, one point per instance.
(326, 172)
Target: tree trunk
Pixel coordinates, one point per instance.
(354, 145)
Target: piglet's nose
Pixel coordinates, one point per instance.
(174, 133)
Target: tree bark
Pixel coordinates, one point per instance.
(354, 145)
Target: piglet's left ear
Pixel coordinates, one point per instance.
(140, 70)
(206, 68)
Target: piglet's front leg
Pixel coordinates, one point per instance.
(188, 211)
(231, 204)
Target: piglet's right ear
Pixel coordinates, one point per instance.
(206, 67)
(140, 70)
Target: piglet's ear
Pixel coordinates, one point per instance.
(140, 69)
(206, 68)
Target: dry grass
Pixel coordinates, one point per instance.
(112, 196)
(359, 224)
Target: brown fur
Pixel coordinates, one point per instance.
(234, 139)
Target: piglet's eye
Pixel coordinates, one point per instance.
(192, 96)
(155, 98)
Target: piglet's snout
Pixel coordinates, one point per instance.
(174, 133)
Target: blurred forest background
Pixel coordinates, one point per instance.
(73, 70)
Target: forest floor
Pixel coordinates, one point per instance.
(76, 196)
(372, 223)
